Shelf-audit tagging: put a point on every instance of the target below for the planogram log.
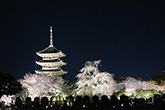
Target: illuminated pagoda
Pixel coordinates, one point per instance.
(51, 63)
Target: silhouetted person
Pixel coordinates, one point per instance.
(163, 102)
(104, 99)
(156, 99)
(104, 103)
(124, 101)
(95, 103)
(18, 102)
(77, 105)
(36, 102)
(78, 100)
(44, 101)
(52, 100)
(28, 103)
(113, 102)
(95, 100)
(86, 100)
(157, 102)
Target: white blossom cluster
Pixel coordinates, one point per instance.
(7, 100)
(93, 82)
(130, 85)
(38, 85)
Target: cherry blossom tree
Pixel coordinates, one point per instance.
(84, 82)
(93, 82)
(132, 84)
(58, 88)
(39, 85)
(104, 84)
(133, 87)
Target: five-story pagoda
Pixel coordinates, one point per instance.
(51, 63)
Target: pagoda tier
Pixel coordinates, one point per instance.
(51, 72)
(50, 52)
(51, 63)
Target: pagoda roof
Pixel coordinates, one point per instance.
(57, 71)
(54, 70)
(50, 49)
(56, 60)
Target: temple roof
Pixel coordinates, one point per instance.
(54, 70)
(50, 49)
(51, 71)
(55, 60)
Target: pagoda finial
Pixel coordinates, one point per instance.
(51, 36)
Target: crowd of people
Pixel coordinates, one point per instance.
(87, 103)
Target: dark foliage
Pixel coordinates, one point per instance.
(121, 79)
(159, 78)
(9, 85)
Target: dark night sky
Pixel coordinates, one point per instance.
(128, 36)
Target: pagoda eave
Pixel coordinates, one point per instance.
(50, 63)
(55, 55)
(51, 72)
